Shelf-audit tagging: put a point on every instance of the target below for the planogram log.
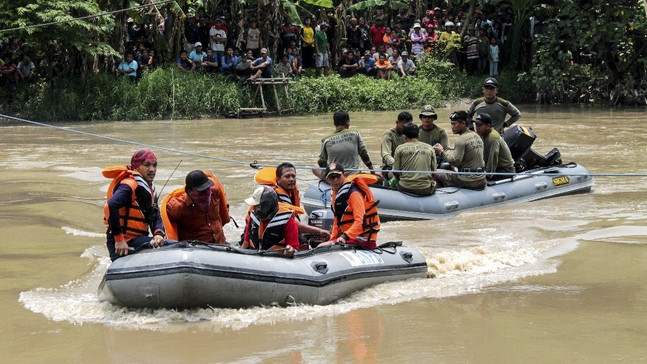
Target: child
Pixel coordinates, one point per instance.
(494, 57)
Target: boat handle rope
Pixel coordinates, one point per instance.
(324, 192)
(383, 248)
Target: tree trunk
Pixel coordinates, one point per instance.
(174, 36)
(271, 24)
(468, 20)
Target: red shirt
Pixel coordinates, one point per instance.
(291, 233)
(377, 35)
(193, 223)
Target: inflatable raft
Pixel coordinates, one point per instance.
(183, 275)
(534, 184)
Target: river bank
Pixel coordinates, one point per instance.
(167, 93)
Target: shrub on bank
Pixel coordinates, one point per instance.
(169, 93)
(162, 93)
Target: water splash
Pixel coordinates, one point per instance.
(457, 272)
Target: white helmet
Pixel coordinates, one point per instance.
(449, 24)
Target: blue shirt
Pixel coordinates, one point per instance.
(368, 64)
(186, 64)
(268, 70)
(229, 63)
(195, 57)
(126, 66)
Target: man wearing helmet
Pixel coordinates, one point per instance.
(270, 224)
(451, 40)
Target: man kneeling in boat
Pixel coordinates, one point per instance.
(466, 157)
(496, 153)
(414, 155)
(130, 211)
(283, 179)
(196, 211)
(355, 208)
(270, 224)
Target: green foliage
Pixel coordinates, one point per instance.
(321, 3)
(326, 94)
(80, 35)
(368, 4)
(162, 93)
(451, 82)
(292, 8)
(618, 35)
(166, 93)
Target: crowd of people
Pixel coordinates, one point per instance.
(382, 45)
(378, 49)
(410, 153)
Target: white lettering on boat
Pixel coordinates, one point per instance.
(359, 257)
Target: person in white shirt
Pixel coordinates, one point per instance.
(405, 66)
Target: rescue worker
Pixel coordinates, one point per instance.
(354, 207)
(196, 211)
(467, 156)
(131, 212)
(496, 154)
(270, 225)
(494, 106)
(344, 146)
(392, 139)
(431, 133)
(283, 180)
(414, 155)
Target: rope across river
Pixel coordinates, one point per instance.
(258, 165)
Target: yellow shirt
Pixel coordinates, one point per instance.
(309, 35)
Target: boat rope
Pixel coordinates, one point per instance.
(120, 140)
(257, 165)
(106, 13)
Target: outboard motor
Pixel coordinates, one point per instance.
(322, 218)
(519, 140)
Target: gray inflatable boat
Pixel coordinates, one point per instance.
(183, 275)
(535, 184)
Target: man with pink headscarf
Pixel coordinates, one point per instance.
(131, 210)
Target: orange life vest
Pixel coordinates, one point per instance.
(266, 234)
(267, 176)
(344, 213)
(171, 227)
(131, 218)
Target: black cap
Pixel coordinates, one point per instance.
(483, 119)
(490, 82)
(333, 168)
(411, 131)
(197, 180)
(458, 115)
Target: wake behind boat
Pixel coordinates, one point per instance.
(183, 275)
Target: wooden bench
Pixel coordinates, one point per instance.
(260, 82)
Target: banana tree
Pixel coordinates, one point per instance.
(522, 10)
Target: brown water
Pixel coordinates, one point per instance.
(558, 280)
